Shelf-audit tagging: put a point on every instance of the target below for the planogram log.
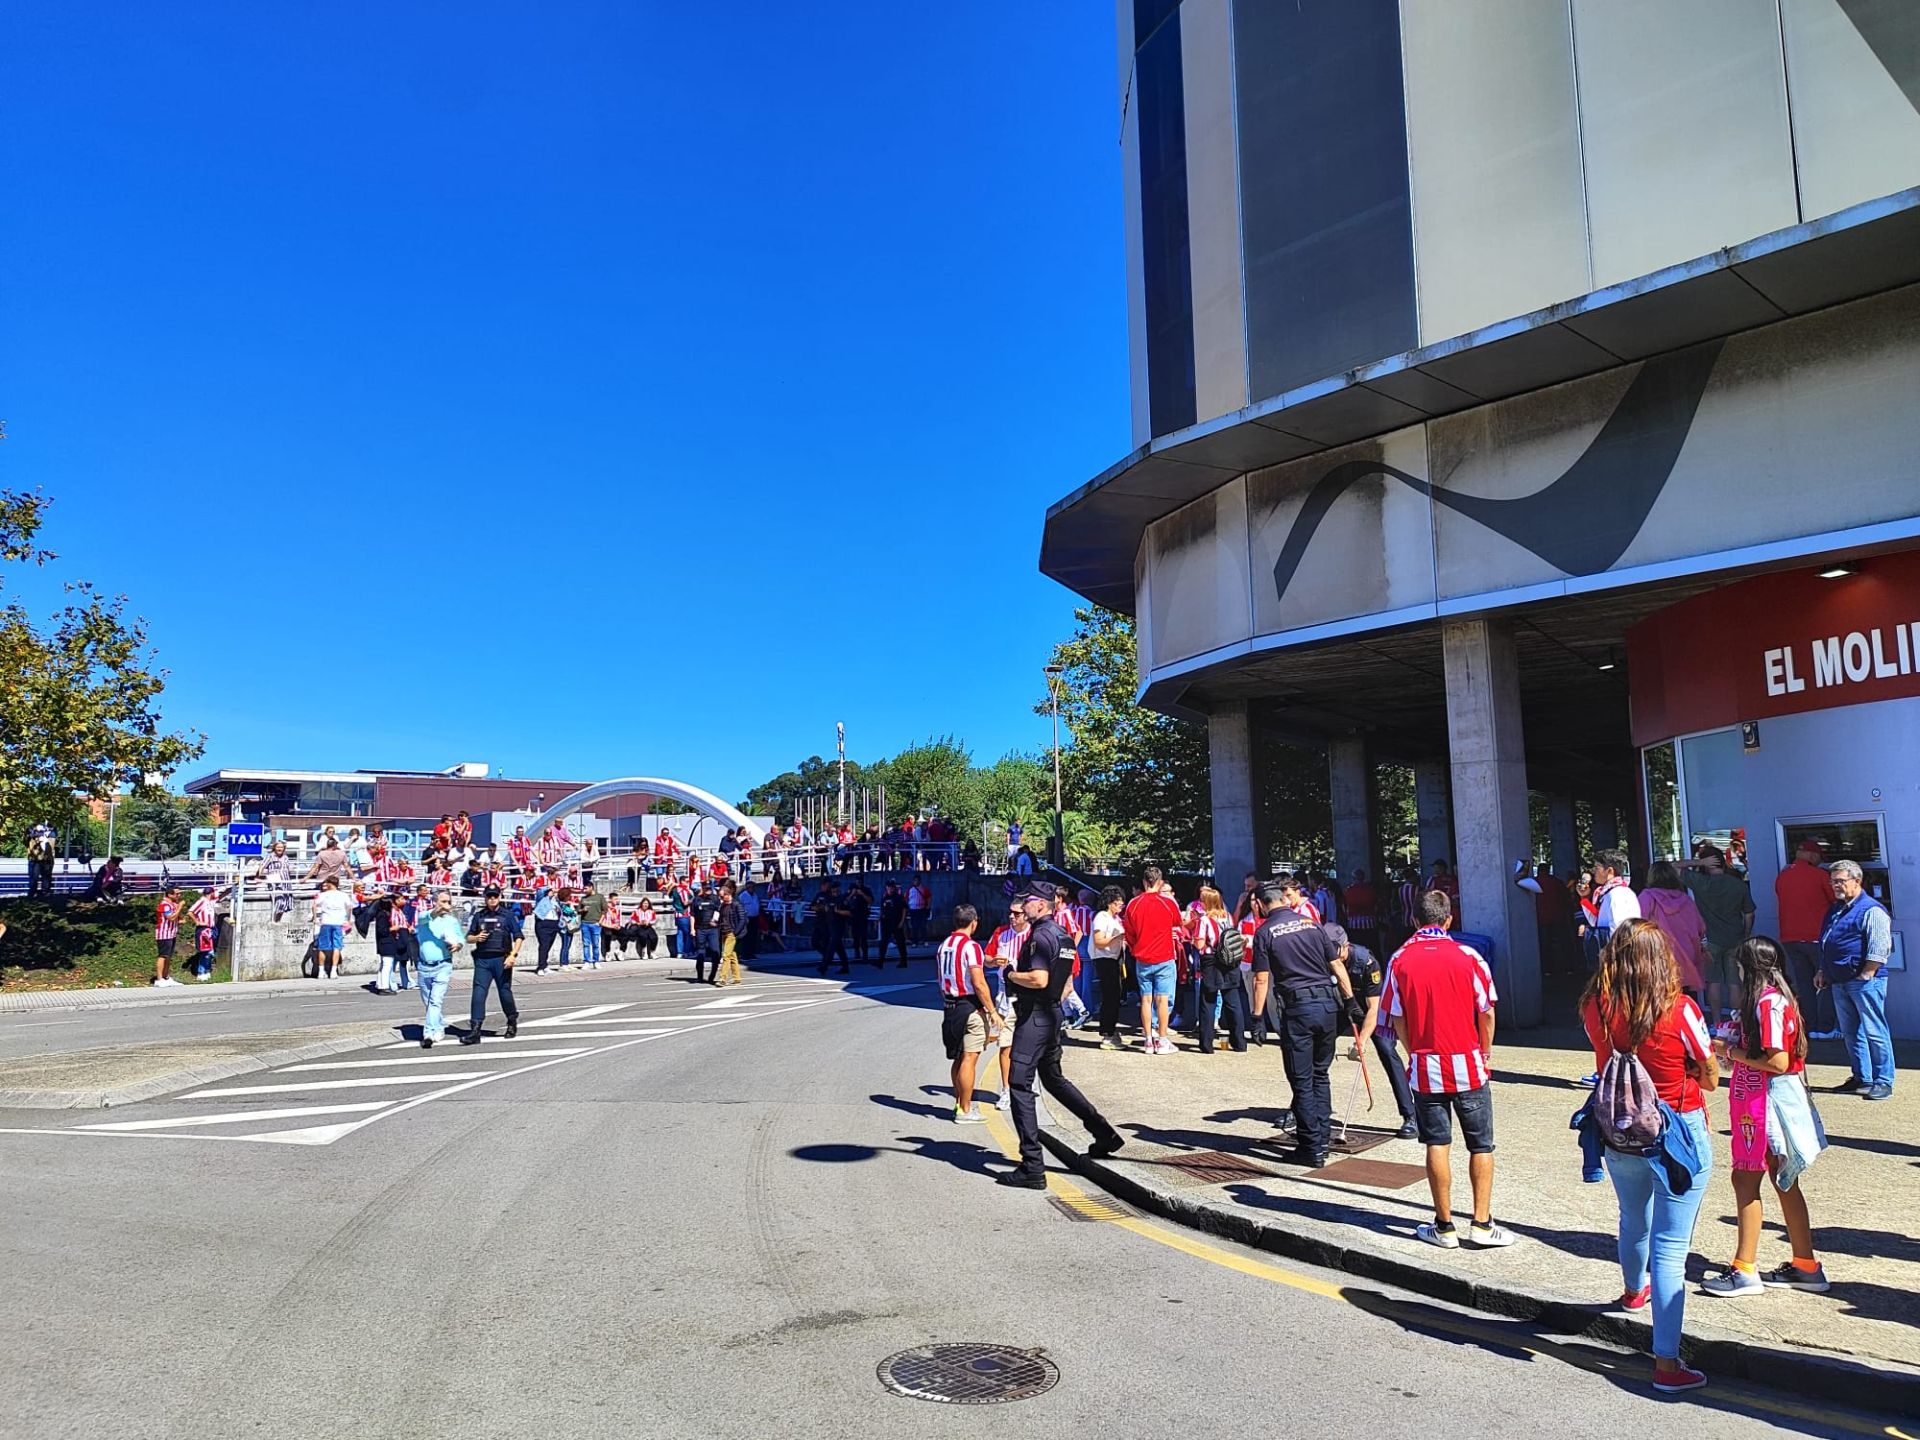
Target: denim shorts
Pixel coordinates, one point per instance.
(331, 937)
(1156, 979)
(1433, 1116)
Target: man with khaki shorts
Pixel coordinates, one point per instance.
(968, 1022)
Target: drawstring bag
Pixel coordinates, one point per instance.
(1626, 1107)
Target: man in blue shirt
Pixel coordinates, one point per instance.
(1856, 941)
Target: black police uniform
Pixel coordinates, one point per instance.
(1036, 1048)
(1299, 956)
(493, 933)
(1364, 971)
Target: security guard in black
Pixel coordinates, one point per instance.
(1293, 952)
(1048, 952)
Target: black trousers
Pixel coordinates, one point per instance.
(1036, 1055)
(1233, 1012)
(40, 877)
(491, 971)
(860, 945)
(1107, 970)
(896, 937)
(836, 947)
(1309, 1030)
(706, 964)
(1396, 1069)
(545, 932)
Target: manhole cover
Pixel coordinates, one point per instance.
(1378, 1174)
(969, 1374)
(1211, 1167)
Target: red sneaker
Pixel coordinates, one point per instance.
(1633, 1300)
(1671, 1382)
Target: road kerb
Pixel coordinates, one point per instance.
(1874, 1384)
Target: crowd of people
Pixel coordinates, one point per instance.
(1680, 997)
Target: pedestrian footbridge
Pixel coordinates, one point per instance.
(704, 801)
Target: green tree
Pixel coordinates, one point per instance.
(937, 775)
(812, 778)
(1140, 774)
(79, 703)
(158, 827)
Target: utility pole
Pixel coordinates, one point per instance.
(840, 739)
(1058, 847)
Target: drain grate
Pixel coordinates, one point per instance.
(1357, 1142)
(969, 1373)
(1210, 1167)
(1088, 1207)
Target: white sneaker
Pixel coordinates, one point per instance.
(1005, 1102)
(1733, 1281)
(1167, 1047)
(969, 1116)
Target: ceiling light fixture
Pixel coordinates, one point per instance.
(1837, 572)
(1609, 662)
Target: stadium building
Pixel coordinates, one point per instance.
(1528, 391)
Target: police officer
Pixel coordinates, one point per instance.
(1038, 977)
(1292, 952)
(1363, 1014)
(494, 934)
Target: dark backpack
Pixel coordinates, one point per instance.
(1626, 1107)
(1223, 965)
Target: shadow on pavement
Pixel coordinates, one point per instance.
(1530, 1339)
(914, 1107)
(975, 1159)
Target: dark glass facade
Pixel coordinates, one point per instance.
(1167, 270)
(1326, 215)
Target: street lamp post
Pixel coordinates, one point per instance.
(1058, 847)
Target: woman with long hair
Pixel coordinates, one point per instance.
(1768, 1046)
(1634, 1006)
(1107, 944)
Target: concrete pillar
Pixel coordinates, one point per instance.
(1563, 844)
(1606, 825)
(1433, 807)
(1492, 826)
(1350, 786)
(1230, 765)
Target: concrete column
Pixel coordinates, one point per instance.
(1433, 807)
(1230, 765)
(1492, 826)
(1563, 845)
(1606, 825)
(1350, 786)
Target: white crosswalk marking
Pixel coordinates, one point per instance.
(359, 1084)
(573, 1015)
(403, 1078)
(446, 1059)
(242, 1116)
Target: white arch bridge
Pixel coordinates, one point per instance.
(704, 801)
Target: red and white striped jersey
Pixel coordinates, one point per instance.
(959, 957)
(203, 913)
(519, 852)
(1080, 920)
(1205, 932)
(1006, 942)
(1440, 988)
(1307, 910)
(610, 918)
(1779, 1026)
(166, 920)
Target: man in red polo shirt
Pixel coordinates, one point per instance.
(1803, 891)
(1440, 995)
(1155, 935)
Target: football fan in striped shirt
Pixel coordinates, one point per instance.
(166, 930)
(1440, 996)
(970, 1023)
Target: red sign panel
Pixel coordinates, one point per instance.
(1777, 645)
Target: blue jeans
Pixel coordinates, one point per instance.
(1861, 1006)
(590, 943)
(566, 945)
(683, 936)
(1656, 1231)
(433, 993)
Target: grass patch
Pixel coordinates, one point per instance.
(67, 944)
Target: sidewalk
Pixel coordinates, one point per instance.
(1202, 1151)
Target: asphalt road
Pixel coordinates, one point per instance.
(686, 1219)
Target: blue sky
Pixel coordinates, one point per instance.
(442, 382)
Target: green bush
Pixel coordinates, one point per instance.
(65, 944)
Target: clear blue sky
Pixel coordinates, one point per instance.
(324, 325)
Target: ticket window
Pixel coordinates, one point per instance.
(1861, 838)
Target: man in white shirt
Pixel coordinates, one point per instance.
(332, 914)
(1614, 904)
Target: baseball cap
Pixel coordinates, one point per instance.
(1038, 890)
